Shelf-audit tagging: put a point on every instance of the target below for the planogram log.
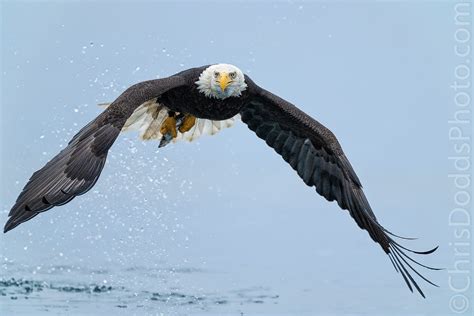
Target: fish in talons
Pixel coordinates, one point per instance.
(174, 122)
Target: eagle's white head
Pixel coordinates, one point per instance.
(221, 81)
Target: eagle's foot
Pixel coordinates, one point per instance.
(168, 127)
(188, 123)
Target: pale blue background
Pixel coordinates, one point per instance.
(376, 74)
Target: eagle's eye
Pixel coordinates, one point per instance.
(216, 74)
(233, 75)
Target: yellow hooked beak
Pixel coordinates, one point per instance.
(224, 80)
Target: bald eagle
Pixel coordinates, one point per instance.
(204, 100)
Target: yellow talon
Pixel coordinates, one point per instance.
(169, 126)
(188, 123)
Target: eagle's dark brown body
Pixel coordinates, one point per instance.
(188, 99)
(305, 144)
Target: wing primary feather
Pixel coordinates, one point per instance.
(415, 261)
(411, 267)
(427, 252)
(410, 277)
(402, 273)
(390, 256)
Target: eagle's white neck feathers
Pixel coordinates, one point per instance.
(209, 85)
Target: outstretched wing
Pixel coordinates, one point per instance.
(78, 166)
(314, 152)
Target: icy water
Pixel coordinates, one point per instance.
(74, 290)
(164, 290)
